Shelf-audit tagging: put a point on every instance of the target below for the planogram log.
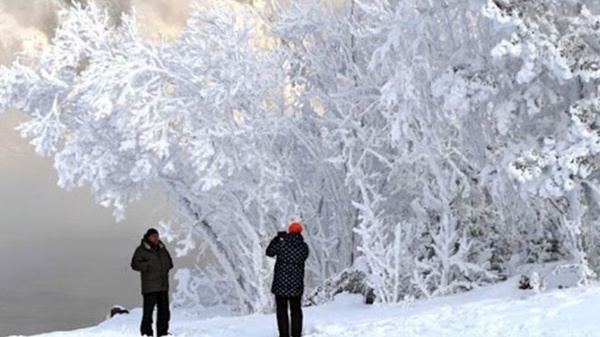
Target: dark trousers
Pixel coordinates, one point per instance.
(161, 301)
(283, 321)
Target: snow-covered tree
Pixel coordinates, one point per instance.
(425, 146)
(557, 72)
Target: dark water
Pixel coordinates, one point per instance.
(62, 285)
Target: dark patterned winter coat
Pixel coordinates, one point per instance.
(291, 252)
(154, 264)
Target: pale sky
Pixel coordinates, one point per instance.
(26, 23)
(31, 202)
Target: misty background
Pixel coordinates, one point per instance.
(64, 261)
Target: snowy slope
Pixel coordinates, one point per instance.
(499, 310)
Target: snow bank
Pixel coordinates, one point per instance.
(499, 310)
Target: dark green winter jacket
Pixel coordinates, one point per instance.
(154, 264)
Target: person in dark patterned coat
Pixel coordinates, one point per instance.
(291, 252)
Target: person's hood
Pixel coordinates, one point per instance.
(148, 246)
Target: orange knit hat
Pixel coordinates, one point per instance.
(295, 228)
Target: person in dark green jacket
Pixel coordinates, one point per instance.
(153, 261)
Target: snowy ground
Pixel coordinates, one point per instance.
(499, 310)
